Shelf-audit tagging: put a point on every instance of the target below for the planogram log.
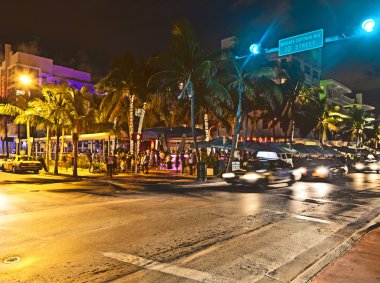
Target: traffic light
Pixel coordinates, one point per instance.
(137, 137)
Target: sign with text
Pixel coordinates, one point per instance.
(235, 165)
(301, 42)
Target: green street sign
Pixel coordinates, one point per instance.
(301, 42)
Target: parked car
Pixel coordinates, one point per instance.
(22, 163)
(3, 159)
(367, 165)
(261, 172)
(320, 168)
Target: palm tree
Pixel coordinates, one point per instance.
(80, 116)
(294, 82)
(358, 120)
(120, 90)
(53, 112)
(249, 80)
(328, 118)
(185, 70)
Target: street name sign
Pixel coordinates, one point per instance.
(301, 42)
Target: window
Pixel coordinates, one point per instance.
(297, 64)
(307, 70)
(265, 123)
(315, 75)
(283, 62)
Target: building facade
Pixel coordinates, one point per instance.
(39, 70)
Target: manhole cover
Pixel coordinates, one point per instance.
(12, 259)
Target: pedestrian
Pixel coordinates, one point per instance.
(110, 163)
(192, 161)
(128, 160)
(65, 161)
(42, 161)
(169, 164)
(146, 164)
(177, 161)
(183, 163)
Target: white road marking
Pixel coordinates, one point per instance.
(312, 219)
(200, 185)
(308, 218)
(168, 268)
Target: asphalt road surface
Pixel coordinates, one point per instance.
(156, 231)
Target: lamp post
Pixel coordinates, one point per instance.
(26, 81)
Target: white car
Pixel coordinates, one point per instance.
(261, 172)
(22, 163)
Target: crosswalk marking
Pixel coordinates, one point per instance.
(168, 268)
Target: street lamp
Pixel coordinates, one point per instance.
(26, 80)
(368, 25)
(254, 49)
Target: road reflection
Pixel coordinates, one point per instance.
(360, 179)
(251, 204)
(306, 190)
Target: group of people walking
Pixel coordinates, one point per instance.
(125, 162)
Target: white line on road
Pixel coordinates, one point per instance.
(303, 217)
(168, 268)
(312, 219)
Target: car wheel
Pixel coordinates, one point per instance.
(36, 171)
(291, 182)
(377, 171)
(2, 168)
(14, 170)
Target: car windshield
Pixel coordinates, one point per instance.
(27, 158)
(253, 165)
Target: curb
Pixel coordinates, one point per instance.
(308, 274)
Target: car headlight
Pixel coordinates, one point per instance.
(359, 166)
(301, 170)
(373, 167)
(228, 175)
(345, 168)
(322, 170)
(250, 177)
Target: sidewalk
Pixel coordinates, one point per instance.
(361, 263)
(153, 175)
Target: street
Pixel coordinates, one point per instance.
(155, 230)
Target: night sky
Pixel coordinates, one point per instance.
(92, 32)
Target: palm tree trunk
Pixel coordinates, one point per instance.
(6, 135)
(18, 137)
(193, 125)
(206, 125)
(75, 138)
(292, 134)
(28, 139)
(131, 116)
(246, 130)
(141, 122)
(48, 147)
(236, 129)
(62, 144)
(273, 129)
(56, 158)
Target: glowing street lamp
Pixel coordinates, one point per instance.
(368, 25)
(255, 49)
(25, 80)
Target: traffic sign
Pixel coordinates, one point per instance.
(301, 42)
